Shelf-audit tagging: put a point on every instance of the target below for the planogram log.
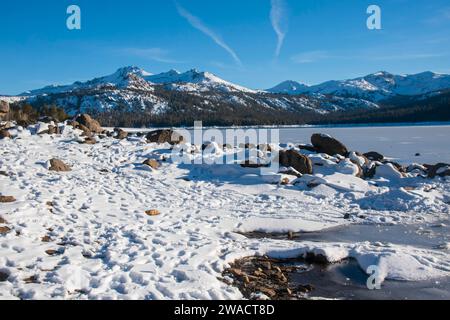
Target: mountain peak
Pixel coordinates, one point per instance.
(289, 87)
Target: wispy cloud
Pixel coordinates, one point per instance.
(310, 56)
(279, 22)
(199, 25)
(156, 54)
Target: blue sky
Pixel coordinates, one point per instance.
(236, 39)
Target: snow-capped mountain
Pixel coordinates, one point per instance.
(173, 94)
(194, 80)
(374, 87)
(289, 87)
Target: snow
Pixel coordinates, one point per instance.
(378, 86)
(108, 248)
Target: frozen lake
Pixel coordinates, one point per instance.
(398, 142)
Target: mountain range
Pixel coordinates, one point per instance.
(173, 97)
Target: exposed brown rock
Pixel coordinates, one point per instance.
(4, 134)
(46, 239)
(4, 107)
(7, 199)
(51, 252)
(152, 163)
(299, 162)
(4, 230)
(89, 140)
(120, 133)
(152, 212)
(329, 145)
(91, 124)
(164, 136)
(59, 166)
(3, 221)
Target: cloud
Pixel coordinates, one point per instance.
(311, 56)
(279, 22)
(199, 25)
(156, 54)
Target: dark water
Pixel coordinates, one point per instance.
(347, 280)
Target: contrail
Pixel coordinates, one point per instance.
(198, 24)
(277, 14)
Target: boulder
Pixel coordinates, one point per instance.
(4, 230)
(4, 134)
(152, 212)
(440, 169)
(152, 163)
(89, 123)
(329, 145)
(4, 107)
(89, 140)
(120, 133)
(164, 136)
(7, 199)
(299, 162)
(59, 166)
(374, 156)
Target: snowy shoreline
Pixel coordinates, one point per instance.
(106, 247)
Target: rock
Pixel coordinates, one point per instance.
(307, 147)
(152, 163)
(46, 239)
(164, 136)
(53, 129)
(4, 107)
(120, 134)
(4, 134)
(268, 292)
(152, 212)
(329, 145)
(7, 199)
(3, 221)
(51, 252)
(89, 140)
(299, 162)
(440, 169)
(89, 123)
(59, 166)
(374, 156)
(4, 230)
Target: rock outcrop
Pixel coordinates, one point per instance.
(326, 144)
